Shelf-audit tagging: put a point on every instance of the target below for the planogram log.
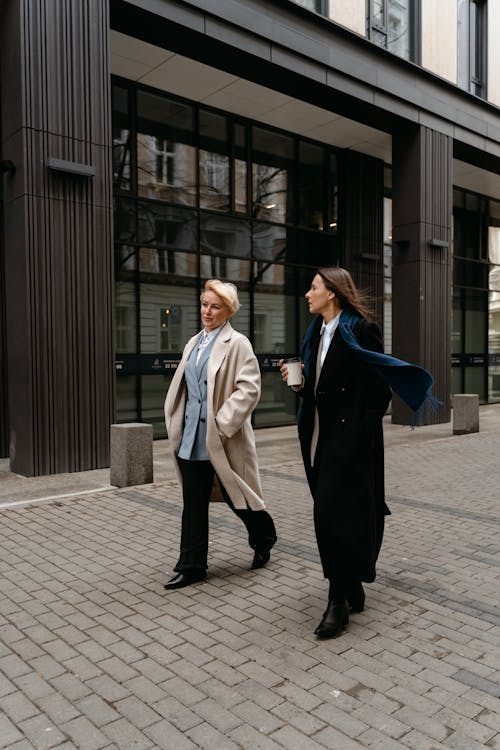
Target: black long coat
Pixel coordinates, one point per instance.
(347, 481)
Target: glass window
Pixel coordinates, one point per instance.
(318, 6)
(126, 399)
(393, 24)
(166, 166)
(269, 242)
(456, 323)
(121, 139)
(476, 306)
(471, 43)
(494, 334)
(315, 249)
(272, 175)
(475, 381)
(169, 316)
(494, 244)
(311, 185)
(153, 392)
(398, 28)
(167, 227)
(332, 193)
(214, 162)
(173, 231)
(125, 316)
(240, 169)
(125, 220)
(221, 235)
(470, 232)
(274, 325)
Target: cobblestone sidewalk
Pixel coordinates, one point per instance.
(95, 654)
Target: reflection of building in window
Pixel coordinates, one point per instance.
(125, 328)
(216, 171)
(262, 343)
(164, 151)
(166, 236)
(166, 169)
(170, 328)
(214, 180)
(213, 266)
(391, 24)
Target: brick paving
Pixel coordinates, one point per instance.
(95, 654)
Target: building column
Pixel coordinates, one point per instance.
(361, 223)
(58, 234)
(421, 283)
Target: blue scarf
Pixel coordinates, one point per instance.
(413, 384)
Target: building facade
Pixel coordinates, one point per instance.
(147, 145)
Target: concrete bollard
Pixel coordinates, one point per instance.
(131, 454)
(465, 413)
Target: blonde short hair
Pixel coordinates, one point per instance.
(227, 293)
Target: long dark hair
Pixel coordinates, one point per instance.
(339, 281)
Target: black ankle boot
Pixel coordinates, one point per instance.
(334, 620)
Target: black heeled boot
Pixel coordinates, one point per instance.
(334, 620)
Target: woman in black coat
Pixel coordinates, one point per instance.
(340, 431)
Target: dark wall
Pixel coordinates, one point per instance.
(58, 235)
(4, 420)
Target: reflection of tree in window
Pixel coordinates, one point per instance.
(121, 158)
(270, 188)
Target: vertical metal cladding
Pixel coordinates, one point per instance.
(67, 300)
(422, 211)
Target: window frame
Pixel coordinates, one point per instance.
(473, 43)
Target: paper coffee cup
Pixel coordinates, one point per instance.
(294, 368)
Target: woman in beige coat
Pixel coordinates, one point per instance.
(208, 412)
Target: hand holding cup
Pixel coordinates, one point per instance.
(291, 371)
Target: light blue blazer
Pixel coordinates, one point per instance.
(193, 445)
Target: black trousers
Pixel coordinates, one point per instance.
(197, 480)
(337, 552)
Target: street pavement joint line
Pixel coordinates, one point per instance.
(481, 517)
(444, 597)
(476, 557)
(475, 681)
(282, 475)
(54, 497)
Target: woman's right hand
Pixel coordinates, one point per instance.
(283, 370)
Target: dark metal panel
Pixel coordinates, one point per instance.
(242, 40)
(397, 86)
(59, 268)
(422, 209)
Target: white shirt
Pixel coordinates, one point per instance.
(327, 330)
(205, 338)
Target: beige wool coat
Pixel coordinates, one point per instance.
(233, 391)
